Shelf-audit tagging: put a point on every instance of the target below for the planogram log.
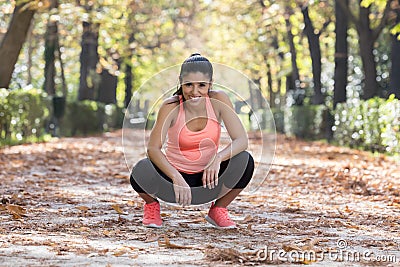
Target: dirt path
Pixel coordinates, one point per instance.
(68, 202)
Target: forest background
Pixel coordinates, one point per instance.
(328, 69)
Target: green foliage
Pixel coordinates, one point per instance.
(88, 117)
(390, 123)
(348, 123)
(26, 116)
(305, 121)
(82, 117)
(371, 125)
(368, 3)
(22, 115)
(395, 30)
(5, 114)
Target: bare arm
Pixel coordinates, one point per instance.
(234, 127)
(157, 138)
(237, 134)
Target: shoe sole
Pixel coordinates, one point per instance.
(208, 219)
(152, 225)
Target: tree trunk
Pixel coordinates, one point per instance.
(295, 77)
(270, 90)
(128, 71)
(367, 37)
(30, 41)
(89, 79)
(369, 67)
(258, 94)
(366, 44)
(49, 56)
(108, 88)
(109, 78)
(64, 83)
(341, 54)
(281, 98)
(51, 47)
(128, 84)
(251, 99)
(12, 43)
(394, 85)
(315, 52)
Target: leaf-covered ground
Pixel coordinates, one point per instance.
(69, 202)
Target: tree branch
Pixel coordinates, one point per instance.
(325, 26)
(383, 23)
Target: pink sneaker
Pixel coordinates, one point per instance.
(219, 217)
(151, 215)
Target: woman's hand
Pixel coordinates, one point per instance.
(183, 194)
(210, 174)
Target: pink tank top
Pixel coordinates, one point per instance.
(189, 151)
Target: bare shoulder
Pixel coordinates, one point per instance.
(168, 109)
(221, 96)
(170, 103)
(172, 100)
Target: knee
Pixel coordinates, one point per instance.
(244, 156)
(140, 167)
(250, 160)
(240, 171)
(246, 159)
(141, 177)
(240, 163)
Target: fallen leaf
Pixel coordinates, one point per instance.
(151, 237)
(121, 176)
(131, 203)
(119, 252)
(247, 219)
(290, 247)
(117, 209)
(291, 209)
(107, 233)
(103, 252)
(226, 254)
(166, 243)
(347, 209)
(198, 220)
(83, 208)
(304, 261)
(131, 248)
(16, 211)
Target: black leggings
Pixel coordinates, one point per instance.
(234, 173)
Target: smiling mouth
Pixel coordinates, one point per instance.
(194, 97)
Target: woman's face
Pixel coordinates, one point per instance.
(195, 85)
